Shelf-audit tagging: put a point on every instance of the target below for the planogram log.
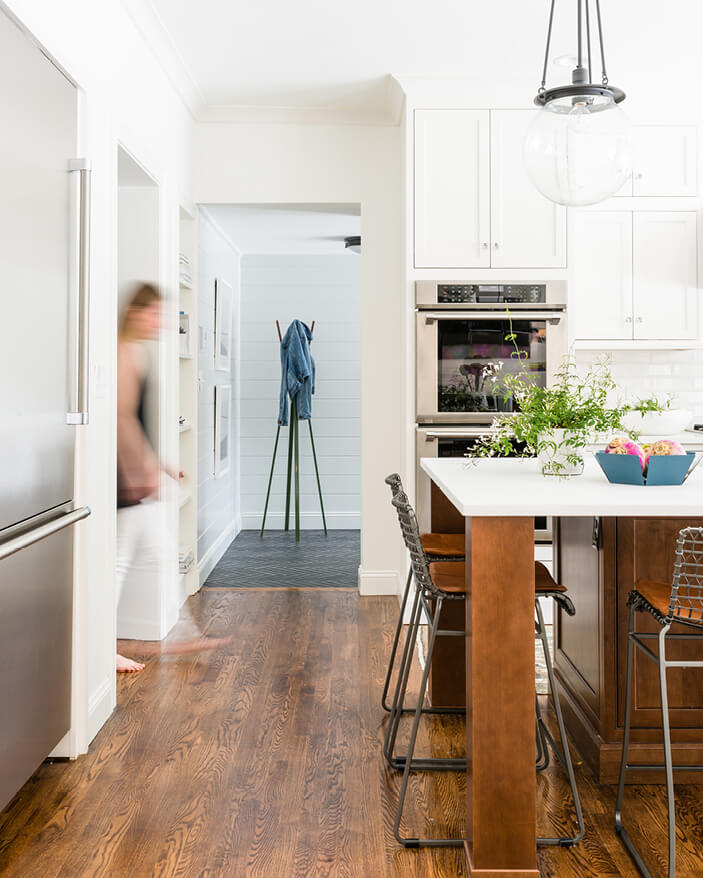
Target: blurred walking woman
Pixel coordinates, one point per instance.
(138, 468)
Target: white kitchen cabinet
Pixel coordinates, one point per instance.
(665, 275)
(475, 207)
(452, 199)
(527, 230)
(601, 262)
(634, 275)
(664, 161)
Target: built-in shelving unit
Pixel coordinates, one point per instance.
(188, 403)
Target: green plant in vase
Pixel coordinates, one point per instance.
(556, 423)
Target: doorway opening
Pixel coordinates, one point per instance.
(292, 264)
(144, 550)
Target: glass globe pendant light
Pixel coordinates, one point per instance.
(578, 148)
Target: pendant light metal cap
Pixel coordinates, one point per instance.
(589, 89)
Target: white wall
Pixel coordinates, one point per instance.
(219, 517)
(126, 98)
(297, 164)
(326, 289)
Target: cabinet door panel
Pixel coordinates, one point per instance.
(665, 279)
(527, 230)
(601, 257)
(451, 189)
(664, 160)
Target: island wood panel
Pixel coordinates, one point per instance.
(593, 698)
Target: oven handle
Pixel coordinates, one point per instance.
(550, 316)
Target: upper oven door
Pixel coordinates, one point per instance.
(464, 356)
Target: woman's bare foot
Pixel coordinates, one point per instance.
(128, 666)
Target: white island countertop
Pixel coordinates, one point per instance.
(508, 487)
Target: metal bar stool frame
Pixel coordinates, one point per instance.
(685, 607)
(425, 593)
(545, 740)
(396, 486)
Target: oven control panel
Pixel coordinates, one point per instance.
(457, 294)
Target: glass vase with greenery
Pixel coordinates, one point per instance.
(557, 422)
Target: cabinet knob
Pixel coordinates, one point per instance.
(484, 245)
(639, 176)
(628, 320)
(496, 245)
(639, 320)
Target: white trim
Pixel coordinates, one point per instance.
(207, 563)
(137, 628)
(308, 520)
(101, 703)
(378, 582)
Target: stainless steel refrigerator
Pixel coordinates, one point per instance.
(44, 201)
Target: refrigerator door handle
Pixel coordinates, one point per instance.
(80, 282)
(43, 531)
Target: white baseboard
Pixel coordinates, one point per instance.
(378, 582)
(308, 520)
(134, 628)
(207, 563)
(100, 705)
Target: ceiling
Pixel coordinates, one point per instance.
(285, 229)
(315, 60)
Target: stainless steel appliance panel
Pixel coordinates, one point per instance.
(39, 138)
(36, 609)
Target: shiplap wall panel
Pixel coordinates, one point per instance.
(326, 289)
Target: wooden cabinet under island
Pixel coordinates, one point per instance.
(599, 561)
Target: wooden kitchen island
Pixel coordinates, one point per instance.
(497, 500)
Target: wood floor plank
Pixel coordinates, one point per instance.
(261, 759)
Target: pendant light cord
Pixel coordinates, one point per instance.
(588, 40)
(546, 51)
(579, 34)
(600, 38)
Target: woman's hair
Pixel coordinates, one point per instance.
(144, 296)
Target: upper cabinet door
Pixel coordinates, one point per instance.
(665, 281)
(601, 258)
(527, 230)
(452, 203)
(664, 160)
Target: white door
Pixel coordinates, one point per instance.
(664, 160)
(601, 262)
(665, 275)
(527, 230)
(452, 223)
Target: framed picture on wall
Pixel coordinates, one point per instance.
(223, 428)
(223, 324)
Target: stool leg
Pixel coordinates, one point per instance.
(420, 842)
(619, 827)
(542, 747)
(670, 803)
(396, 639)
(564, 755)
(403, 674)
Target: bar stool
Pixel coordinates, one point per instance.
(438, 547)
(681, 602)
(436, 582)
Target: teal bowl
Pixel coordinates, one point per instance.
(663, 469)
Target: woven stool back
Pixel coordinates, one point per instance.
(687, 587)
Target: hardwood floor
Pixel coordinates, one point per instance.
(262, 760)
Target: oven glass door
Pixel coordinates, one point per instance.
(474, 357)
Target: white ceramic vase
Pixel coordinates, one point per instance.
(554, 456)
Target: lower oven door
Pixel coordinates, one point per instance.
(463, 358)
(453, 442)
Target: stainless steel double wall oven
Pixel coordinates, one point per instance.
(469, 336)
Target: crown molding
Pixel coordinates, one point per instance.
(161, 45)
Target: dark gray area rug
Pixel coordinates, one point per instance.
(276, 561)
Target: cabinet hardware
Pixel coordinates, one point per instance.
(484, 244)
(496, 245)
(639, 176)
(639, 320)
(628, 320)
(597, 533)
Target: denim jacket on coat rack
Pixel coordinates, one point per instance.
(297, 371)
